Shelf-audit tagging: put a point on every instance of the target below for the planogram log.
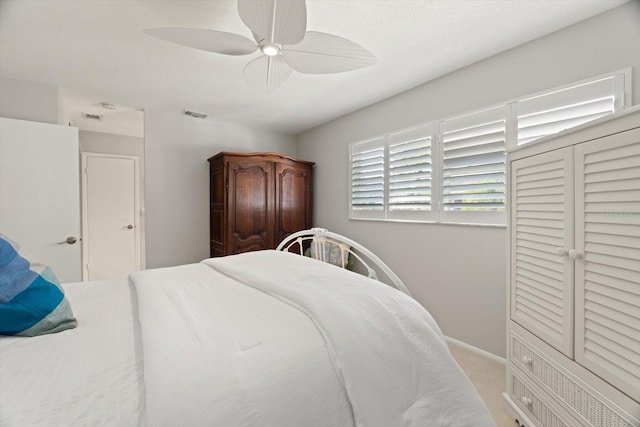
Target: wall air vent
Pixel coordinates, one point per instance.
(92, 116)
(195, 115)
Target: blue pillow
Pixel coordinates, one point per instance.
(31, 299)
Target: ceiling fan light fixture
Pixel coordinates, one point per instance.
(270, 49)
(279, 29)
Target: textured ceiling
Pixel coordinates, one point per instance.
(96, 51)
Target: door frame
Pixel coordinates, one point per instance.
(85, 219)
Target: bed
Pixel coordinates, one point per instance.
(266, 338)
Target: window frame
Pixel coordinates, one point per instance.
(622, 100)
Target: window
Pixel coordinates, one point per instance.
(473, 167)
(453, 170)
(409, 187)
(368, 179)
(391, 176)
(562, 109)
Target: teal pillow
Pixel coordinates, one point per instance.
(31, 299)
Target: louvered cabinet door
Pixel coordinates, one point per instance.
(608, 264)
(541, 235)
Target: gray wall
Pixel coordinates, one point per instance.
(177, 148)
(459, 272)
(108, 143)
(24, 100)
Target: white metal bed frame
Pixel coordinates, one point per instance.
(321, 237)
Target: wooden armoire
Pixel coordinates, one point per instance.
(256, 200)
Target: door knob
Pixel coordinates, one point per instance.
(69, 241)
(562, 251)
(573, 254)
(129, 227)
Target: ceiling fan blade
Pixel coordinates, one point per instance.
(209, 40)
(277, 21)
(266, 73)
(322, 53)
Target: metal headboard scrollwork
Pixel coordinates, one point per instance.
(320, 241)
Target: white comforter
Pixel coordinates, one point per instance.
(90, 376)
(275, 339)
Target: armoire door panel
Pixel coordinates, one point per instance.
(217, 211)
(216, 222)
(250, 213)
(293, 199)
(254, 242)
(607, 225)
(217, 187)
(541, 271)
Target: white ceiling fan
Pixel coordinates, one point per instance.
(279, 29)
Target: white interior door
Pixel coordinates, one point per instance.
(40, 192)
(110, 216)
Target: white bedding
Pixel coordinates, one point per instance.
(87, 376)
(385, 347)
(364, 354)
(235, 357)
(267, 339)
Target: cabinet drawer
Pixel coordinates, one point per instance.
(533, 405)
(584, 404)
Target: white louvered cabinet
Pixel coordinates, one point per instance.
(574, 277)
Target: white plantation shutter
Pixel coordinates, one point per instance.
(473, 167)
(368, 179)
(555, 111)
(454, 170)
(410, 174)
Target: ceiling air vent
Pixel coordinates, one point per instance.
(108, 105)
(195, 115)
(92, 116)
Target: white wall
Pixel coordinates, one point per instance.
(177, 148)
(459, 272)
(25, 100)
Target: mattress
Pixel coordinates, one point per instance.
(87, 376)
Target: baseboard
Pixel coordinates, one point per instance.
(476, 350)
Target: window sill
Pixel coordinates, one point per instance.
(463, 224)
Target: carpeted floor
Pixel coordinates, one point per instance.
(489, 378)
